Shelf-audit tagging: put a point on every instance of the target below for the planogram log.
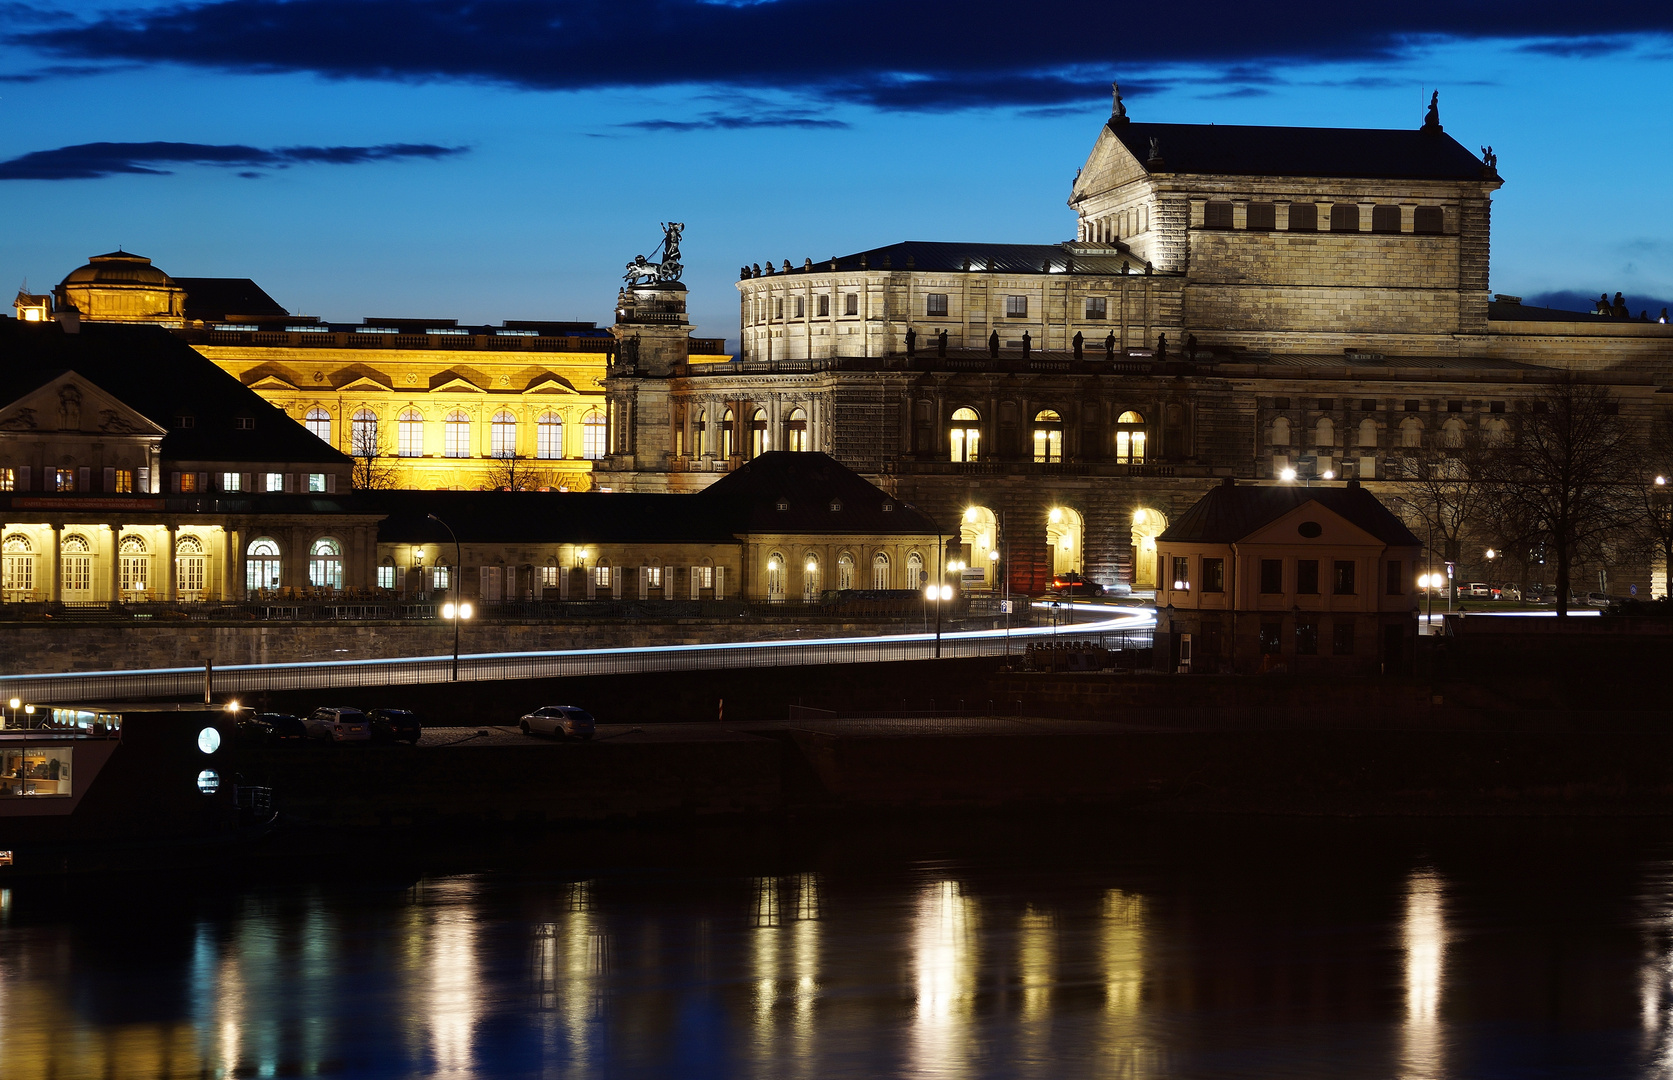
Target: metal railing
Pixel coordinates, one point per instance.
(1126, 628)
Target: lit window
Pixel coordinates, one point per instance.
(1129, 438)
(386, 577)
(503, 434)
(549, 436)
(123, 481)
(439, 577)
(458, 431)
(274, 481)
(516, 333)
(64, 480)
(549, 577)
(318, 423)
(363, 433)
(262, 564)
(601, 576)
(965, 436)
(231, 481)
(1048, 436)
(188, 481)
(409, 433)
(448, 331)
(8, 479)
(594, 442)
(316, 481)
(325, 564)
(653, 576)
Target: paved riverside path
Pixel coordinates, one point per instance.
(1116, 626)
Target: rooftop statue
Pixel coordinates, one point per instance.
(641, 271)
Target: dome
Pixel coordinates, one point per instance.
(122, 287)
(118, 267)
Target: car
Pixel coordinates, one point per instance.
(561, 721)
(391, 725)
(270, 727)
(339, 724)
(1073, 584)
(1506, 592)
(1478, 589)
(1598, 599)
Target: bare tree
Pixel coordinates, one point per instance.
(1444, 495)
(513, 472)
(374, 467)
(1566, 467)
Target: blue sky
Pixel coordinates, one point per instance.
(494, 159)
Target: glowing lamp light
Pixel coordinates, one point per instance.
(812, 566)
(232, 706)
(970, 514)
(772, 564)
(16, 704)
(1287, 475)
(1329, 474)
(993, 556)
(447, 611)
(929, 592)
(1056, 514)
(946, 592)
(1661, 481)
(29, 710)
(1491, 554)
(464, 611)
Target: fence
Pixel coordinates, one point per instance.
(1129, 629)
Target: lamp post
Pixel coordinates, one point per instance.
(1426, 582)
(455, 609)
(15, 706)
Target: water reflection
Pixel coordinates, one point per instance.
(452, 1003)
(1424, 936)
(944, 961)
(1128, 1051)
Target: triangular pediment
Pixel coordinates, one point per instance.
(365, 382)
(453, 381)
(71, 402)
(272, 382)
(1335, 531)
(1110, 165)
(551, 384)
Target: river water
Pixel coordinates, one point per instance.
(1040, 947)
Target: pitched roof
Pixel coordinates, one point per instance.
(941, 257)
(819, 495)
(216, 298)
(1230, 512)
(1369, 153)
(162, 378)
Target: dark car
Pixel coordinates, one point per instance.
(559, 721)
(1074, 585)
(271, 727)
(392, 725)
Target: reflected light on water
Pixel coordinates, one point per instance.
(1423, 935)
(944, 962)
(1128, 1050)
(451, 983)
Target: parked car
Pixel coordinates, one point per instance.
(1476, 589)
(339, 724)
(390, 725)
(1506, 592)
(561, 721)
(1073, 584)
(270, 727)
(1598, 599)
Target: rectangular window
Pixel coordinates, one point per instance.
(184, 422)
(245, 423)
(851, 303)
(1016, 307)
(64, 480)
(1306, 637)
(188, 482)
(458, 438)
(601, 575)
(1413, 405)
(33, 771)
(935, 304)
(386, 577)
(439, 578)
(1428, 219)
(1280, 403)
(275, 481)
(1304, 217)
(548, 577)
(1181, 572)
(1217, 215)
(824, 306)
(1325, 404)
(1307, 577)
(230, 481)
(8, 479)
(409, 436)
(122, 481)
(801, 307)
(1396, 581)
(1262, 216)
(1097, 307)
(1344, 634)
(653, 576)
(1272, 576)
(1344, 217)
(1272, 637)
(1495, 406)
(778, 307)
(1344, 580)
(1368, 404)
(1214, 575)
(1455, 406)
(316, 481)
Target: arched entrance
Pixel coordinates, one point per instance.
(1148, 524)
(1065, 535)
(979, 531)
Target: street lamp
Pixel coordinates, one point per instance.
(455, 610)
(1427, 583)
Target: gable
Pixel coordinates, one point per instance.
(453, 381)
(366, 382)
(272, 382)
(551, 384)
(1110, 165)
(1336, 531)
(71, 402)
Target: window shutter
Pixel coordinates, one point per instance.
(330, 482)
(174, 482)
(644, 584)
(564, 574)
(144, 477)
(592, 582)
(720, 583)
(110, 478)
(246, 484)
(668, 583)
(616, 576)
(23, 479)
(84, 478)
(203, 481)
(696, 586)
(290, 483)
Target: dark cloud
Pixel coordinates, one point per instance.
(729, 122)
(64, 71)
(90, 161)
(1581, 300)
(1583, 47)
(880, 53)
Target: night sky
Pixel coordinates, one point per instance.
(504, 158)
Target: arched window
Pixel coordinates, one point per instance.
(594, 435)
(1048, 436)
(758, 441)
(880, 571)
(915, 577)
(979, 529)
(728, 436)
(549, 436)
(457, 429)
(190, 566)
(503, 435)
(410, 433)
(135, 567)
(845, 571)
(810, 577)
(1148, 524)
(1385, 219)
(261, 564)
(1280, 435)
(700, 434)
(17, 571)
(1495, 432)
(77, 564)
(1129, 437)
(1452, 433)
(1411, 432)
(1367, 432)
(776, 571)
(965, 436)
(795, 431)
(363, 433)
(325, 564)
(1324, 432)
(1065, 534)
(318, 422)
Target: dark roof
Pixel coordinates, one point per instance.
(213, 299)
(1370, 153)
(1231, 512)
(162, 378)
(744, 501)
(809, 484)
(1009, 258)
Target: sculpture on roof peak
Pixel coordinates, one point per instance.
(641, 271)
(1432, 119)
(1118, 110)
(1489, 158)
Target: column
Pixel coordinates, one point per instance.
(115, 563)
(57, 592)
(233, 538)
(173, 593)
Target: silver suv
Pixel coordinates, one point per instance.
(340, 724)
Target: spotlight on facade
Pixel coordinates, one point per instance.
(464, 611)
(970, 514)
(447, 611)
(1287, 476)
(1056, 514)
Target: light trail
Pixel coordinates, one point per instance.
(1133, 624)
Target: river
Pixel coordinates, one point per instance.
(987, 947)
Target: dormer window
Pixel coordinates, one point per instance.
(888, 506)
(184, 422)
(245, 423)
(836, 505)
(784, 504)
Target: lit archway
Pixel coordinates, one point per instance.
(1148, 524)
(964, 437)
(1048, 435)
(1065, 534)
(979, 531)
